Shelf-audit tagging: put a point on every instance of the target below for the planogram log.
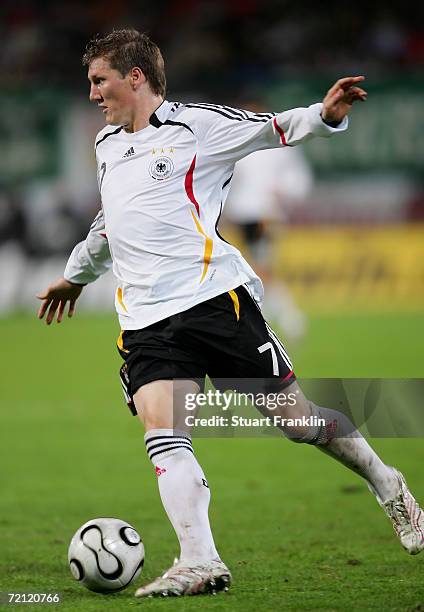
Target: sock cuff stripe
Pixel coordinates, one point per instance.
(153, 442)
(179, 437)
(164, 450)
(169, 445)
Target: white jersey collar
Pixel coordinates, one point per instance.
(162, 113)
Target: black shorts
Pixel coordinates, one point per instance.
(224, 337)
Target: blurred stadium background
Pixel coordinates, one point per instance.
(352, 253)
(357, 240)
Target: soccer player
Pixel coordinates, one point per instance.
(264, 185)
(187, 301)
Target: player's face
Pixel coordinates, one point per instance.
(111, 92)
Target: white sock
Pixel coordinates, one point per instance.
(184, 492)
(343, 442)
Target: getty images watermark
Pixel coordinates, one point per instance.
(228, 407)
(231, 399)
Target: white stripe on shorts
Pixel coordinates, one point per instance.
(280, 347)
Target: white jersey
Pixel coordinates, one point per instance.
(163, 189)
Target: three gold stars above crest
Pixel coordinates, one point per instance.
(162, 150)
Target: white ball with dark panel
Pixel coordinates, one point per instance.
(106, 555)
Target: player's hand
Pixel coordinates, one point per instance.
(339, 99)
(55, 298)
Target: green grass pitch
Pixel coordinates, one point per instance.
(299, 531)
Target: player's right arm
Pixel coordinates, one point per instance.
(90, 259)
(56, 297)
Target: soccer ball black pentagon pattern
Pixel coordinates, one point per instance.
(106, 555)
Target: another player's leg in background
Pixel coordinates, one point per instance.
(279, 306)
(339, 439)
(183, 489)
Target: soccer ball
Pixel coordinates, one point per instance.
(106, 554)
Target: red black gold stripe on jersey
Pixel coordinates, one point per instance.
(120, 299)
(207, 253)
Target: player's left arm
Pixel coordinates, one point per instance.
(322, 119)
(340, 97)
(233, 134)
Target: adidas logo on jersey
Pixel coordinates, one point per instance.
(130, 152)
